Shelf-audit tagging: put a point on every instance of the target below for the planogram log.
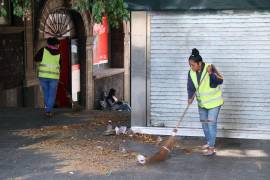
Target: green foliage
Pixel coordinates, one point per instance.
(115, 10)
(82, 5)
(3, 11)
(21, 7)
(98, 10)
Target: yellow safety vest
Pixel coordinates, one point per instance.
(49, 66)
(207, 97)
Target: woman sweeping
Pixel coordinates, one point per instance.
(206, 80)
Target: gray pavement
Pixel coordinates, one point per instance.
(237, 159)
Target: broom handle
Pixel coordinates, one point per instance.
(182, 116)
(187, 107)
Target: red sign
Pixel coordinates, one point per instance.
(100, 51)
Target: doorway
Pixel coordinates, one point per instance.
(63, 91)
(67, 25)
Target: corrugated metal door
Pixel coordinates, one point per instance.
(238, 43)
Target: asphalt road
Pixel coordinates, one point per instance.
(236, 159)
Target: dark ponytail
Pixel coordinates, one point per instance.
(195, 56)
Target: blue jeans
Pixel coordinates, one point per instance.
(124, 107)
(208, 118)
(49, 87)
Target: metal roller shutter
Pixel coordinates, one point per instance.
(238, 44)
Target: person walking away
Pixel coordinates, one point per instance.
(49, 72)
(205, 78)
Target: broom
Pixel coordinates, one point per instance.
(166, 148)
(168, 145)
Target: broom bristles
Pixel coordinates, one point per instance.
(161, 155)
(164, 151)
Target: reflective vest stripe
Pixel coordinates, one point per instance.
(216, 90)
(210, 101)
(49, 72)
(49, 66)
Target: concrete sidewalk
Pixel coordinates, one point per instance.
(236, 159)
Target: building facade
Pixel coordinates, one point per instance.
(80, 77)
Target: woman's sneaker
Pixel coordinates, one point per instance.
(210, 152)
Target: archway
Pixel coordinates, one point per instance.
(57, 19)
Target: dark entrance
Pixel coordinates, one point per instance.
(67, 26)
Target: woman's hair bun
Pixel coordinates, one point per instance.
(195, 55)
(195, 52)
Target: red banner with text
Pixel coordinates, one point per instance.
(100, 50)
